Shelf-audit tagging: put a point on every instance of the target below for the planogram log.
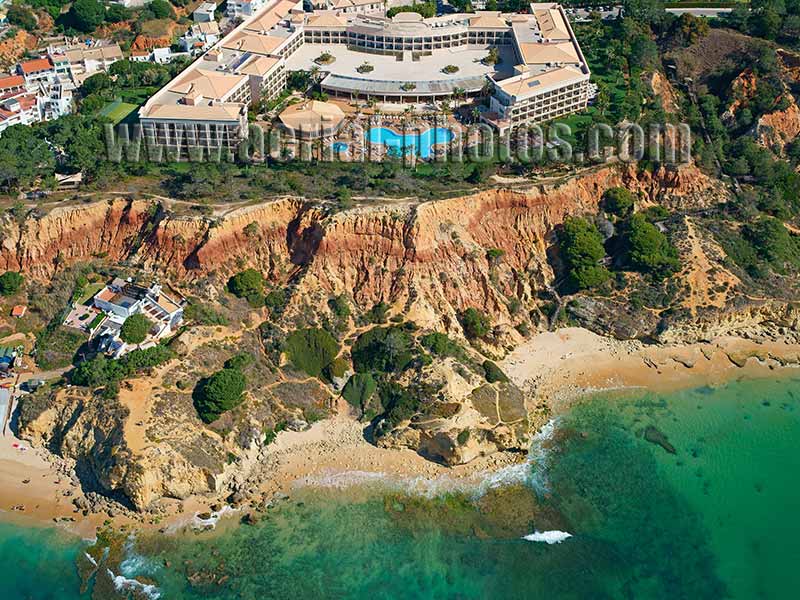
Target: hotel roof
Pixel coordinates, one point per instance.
(312, 115)
(251, 42)
(258, 65)
(530, 83)
(488, 19)
(541, 53)
(208, 84)
(182, 112)
(551, 24)
(326, 18)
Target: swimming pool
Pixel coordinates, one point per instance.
(339, 147)
(420, 142)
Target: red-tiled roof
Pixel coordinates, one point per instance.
(11, 81)
(35, 65)
(19, 310)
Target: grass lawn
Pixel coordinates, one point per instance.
(90, 291)
(117, 110)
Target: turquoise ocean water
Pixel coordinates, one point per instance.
(688, 495)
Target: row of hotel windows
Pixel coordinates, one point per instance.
(545, 115)
(549, 98)
(407, 43)
(507, 99)
(295, 42)
(174, 135)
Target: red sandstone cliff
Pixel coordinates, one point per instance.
(428, 255)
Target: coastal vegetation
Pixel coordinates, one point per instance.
(220, 393)
(106, 373)
(311, 350)
(248, 284)
(135, 328)
(582, 251)
(10, 283)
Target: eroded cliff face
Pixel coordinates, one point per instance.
(429, 261)
(427, 257)
(39, 245)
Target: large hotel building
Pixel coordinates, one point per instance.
(540, 73)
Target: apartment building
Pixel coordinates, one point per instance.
(20, 109)
(204, 13)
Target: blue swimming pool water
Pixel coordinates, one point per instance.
(419, 142)
(339, 147)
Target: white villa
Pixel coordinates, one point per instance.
(120, 299)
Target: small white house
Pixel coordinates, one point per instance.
(204, 13)
(120, 299)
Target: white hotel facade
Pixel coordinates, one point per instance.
(542, 73)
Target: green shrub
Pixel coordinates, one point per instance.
(618, 201)
(340, 306)
(771, 241)
(248, 284)
(492, 372)
(239, 362)
(359, 389)
(474, 323)
(311, 350)
(135, 329)
(203, 314)
(463, 437)
(439, 344)
(276, 300)
(337, 369)
(399, 403)
(219, 393)
(100, 371)
(377, 314)
(493, 255)
(10, 283)
(581, 248)
(384, 349)
(648, 250)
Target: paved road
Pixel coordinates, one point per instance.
(582, 14)
(700, 12)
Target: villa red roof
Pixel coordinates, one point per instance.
(35, 65)
(11, 81)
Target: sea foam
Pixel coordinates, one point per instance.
(548, 537)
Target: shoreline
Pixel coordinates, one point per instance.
(555, 369)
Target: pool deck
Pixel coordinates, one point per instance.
(387, 68)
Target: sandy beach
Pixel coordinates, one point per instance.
(554, 367)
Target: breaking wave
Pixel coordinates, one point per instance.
(548, 537)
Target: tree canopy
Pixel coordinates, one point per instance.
(248, 284)
(581, 247)
(23, 157)
(475, 324)
(86, 15)
(618, 201)
(135, 329)
(311, 350)
(219, 393)
(648, 249)
(10, 282)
